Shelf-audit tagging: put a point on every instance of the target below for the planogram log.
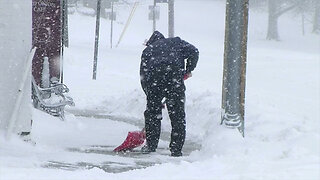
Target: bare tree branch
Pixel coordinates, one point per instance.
(282, 11)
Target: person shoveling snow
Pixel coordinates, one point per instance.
(162, 73)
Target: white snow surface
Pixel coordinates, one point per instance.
(282, 130)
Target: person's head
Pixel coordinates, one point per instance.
(156, 35)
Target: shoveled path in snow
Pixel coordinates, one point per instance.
(120, 162)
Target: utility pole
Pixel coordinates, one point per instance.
(171, 18)
(96, 45)
(234, 72)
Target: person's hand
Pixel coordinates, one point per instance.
(187, 75)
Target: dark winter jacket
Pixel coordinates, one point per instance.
(161, 51)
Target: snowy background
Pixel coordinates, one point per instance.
(282, 105)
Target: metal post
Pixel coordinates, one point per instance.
(154, 15)
(96, 45)
(111, 31)
(62, 38)
(64, 34)
(233, 90)
(171, 18)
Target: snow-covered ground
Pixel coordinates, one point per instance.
(282, 105)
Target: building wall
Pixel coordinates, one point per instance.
(15, 45)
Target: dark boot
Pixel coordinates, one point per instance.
(176, 154)
(146, 149)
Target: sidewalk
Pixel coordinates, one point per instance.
(91, 141)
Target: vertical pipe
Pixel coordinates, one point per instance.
(111, 31)
(96, 45)
(65, 24)
(171, 18)
(64, 34)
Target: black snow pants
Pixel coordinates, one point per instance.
(165, 82)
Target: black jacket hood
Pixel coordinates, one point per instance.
(155, 37)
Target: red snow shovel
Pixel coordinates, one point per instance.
(133, 140)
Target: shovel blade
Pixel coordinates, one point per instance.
(133, 140)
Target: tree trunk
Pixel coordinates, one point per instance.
(316, 19)
(273, 21)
